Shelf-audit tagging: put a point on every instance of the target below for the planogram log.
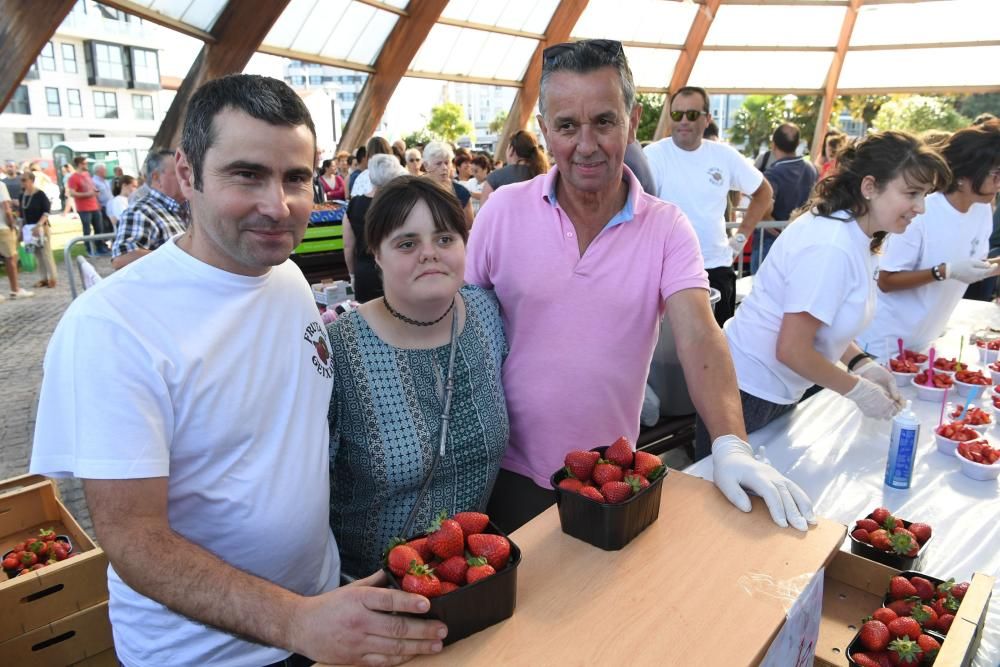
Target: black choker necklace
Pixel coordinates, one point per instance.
(400, 316)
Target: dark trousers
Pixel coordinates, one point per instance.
(93, 220)
(757, 413)
(294, 660)
(723, 278)
(516, 500)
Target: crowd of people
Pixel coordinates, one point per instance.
(490, 341)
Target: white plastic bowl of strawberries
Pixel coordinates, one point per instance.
(949, 436)
(979, 460)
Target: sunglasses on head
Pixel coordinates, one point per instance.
(692, 115)
(609, 47)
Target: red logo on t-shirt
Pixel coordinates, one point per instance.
(321, 360)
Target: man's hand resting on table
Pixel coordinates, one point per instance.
(736, 471)
(353, 625)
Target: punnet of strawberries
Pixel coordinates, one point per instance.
(979, 451)
(933, 604)
(620, 475)
(456, 551)
(973, 416)
(915, 357)
(902, 365)
(885, 532)
(972, 377)
(946, 364)
(37, 552)
(941, 381)
(957, 431)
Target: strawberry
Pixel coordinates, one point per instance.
(868, 524)
(605, 472)
(420, 544)
(921, 531)
(494, 548)
(880, 539)
(929, 646)
(448, 587)
(925, 589)
(879, 515)
(620, 452)
(861, 535)
(646, 463)
(874, 635)
(925, 616)
(400, 557)
(479, 569)
(903, 542)
(903, 651)
(616, 492)
(902, 607)
(636, 481)
(471, 522)
(592, 493)
(884, 614)
(452, 569)
(570, 484)
(958, 590)
(581, 464)
(444, 537)
(900, 587)
(864, 660)
(420, 579)
(904, 626)
(944, 623)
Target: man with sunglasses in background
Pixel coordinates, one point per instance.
(697, 175)
(584, 265)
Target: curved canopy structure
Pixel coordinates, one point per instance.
(815, 47)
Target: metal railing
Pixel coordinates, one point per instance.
(763, 224)
(68, 255)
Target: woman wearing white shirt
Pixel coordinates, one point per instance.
(926, 270)
(816, 290)
(123, 188)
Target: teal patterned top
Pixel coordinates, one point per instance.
(385, 416)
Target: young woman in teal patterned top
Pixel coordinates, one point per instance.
(391, 363)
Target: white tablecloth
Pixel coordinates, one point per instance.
(838, 457)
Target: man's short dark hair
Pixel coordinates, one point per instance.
(692, 90)
(583, 57)
(361, 153)
(786, 137)
(154, 163)
(78, 160)
(711, 131)
(260, 97)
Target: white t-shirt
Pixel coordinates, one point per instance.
(117, 206)
(818, 265)
(4, 196)
(220, 382)
(919, 315)
(699, 181)
(362, 185)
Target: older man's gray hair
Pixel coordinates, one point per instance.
(583, 57)
(383, 168)
(154, 163)
(436, 150)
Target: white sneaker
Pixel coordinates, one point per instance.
(21, 294)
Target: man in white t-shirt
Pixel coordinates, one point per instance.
(206, 467)
(698, 175)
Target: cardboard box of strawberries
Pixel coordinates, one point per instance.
(608, 495)
(464, 565)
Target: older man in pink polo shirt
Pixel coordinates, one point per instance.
(585, 264)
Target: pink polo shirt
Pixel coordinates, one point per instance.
(581, 329)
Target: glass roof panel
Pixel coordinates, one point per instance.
(285, 29)
(651, 68)
(757, 70)
(452, 50)
(367, 48)
(199, 14)
(340, 29)
(755, 25)
(927, 22)
(663, 21)
(512, 14)
(915, 68)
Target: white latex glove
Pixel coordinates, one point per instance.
(736, 244)
(969, 270)
(881, 376)
(736, 471)
(873, 400)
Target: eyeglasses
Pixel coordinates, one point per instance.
(691, 114)
(609, 47)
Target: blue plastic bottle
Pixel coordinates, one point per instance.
(902, 449)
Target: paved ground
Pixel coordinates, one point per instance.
(25, 328)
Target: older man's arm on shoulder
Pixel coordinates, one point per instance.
(708, 367)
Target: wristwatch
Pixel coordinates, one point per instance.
(740, 237)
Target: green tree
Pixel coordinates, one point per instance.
(918, 113)
(971, 106)
(418, 138)
(496, 125)
(448, 122)
(755, 121)
(652, 107)
(862, 107)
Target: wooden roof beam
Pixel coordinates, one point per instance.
(25, 28)
(833, 75)
(560, 26)
(391, 65)
(237, 33)
(685, 62)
